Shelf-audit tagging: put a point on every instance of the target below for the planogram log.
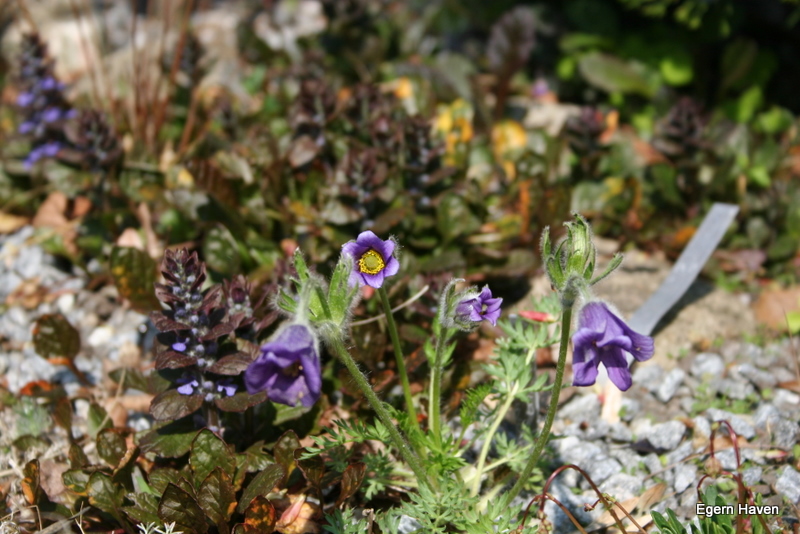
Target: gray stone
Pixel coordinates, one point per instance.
(685, 475)
(727, 459)
(707, 364)
(593, 431)
(786, 400)
(622, 487)
(681, 453)
(736, 389)
(630, 460)
(408, 525)
(664, 436)
(600, 468)
(766, 416)
(784, 434)
(629, 409)
(649, 376)
(669, 384)
(701, 427)
(756, 376)
(752, 475)
(653, 463)
(740, 425)
(788, 484)
(582, 408)
(573, 450)
(620, 432)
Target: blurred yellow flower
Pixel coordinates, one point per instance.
(454, 123)
(508, 138)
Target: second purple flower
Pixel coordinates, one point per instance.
(482, 307)
(288, 368)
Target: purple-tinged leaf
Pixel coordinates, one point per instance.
(171, 405)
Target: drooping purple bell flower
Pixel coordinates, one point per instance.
(602, 337)
(481, 307)
(288, 368)
(372, 259)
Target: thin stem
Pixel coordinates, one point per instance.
(398, 354)
(397, 308)
(435, 401)
(566, 321)
(487, 442)
(402, 445)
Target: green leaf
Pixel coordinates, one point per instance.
(134, 274)
(217, 498)
(171, 405)
(612, 74)
(153, 383)
(181, 508)
(220, 251)
(160, 478)
(76, 481)
(313, 468)
(169, 440)
(262, 484)
(103, 493)
(284, 450)
(240, 402)
(452, 208)
(55, 337)
(97, 419)
(676, 68)
(145, 509)
(472, 401)
(111, 446)
(209, 452)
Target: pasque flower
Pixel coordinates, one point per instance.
(288, 368)
(482, 307)
(602, 337)
(372, 259)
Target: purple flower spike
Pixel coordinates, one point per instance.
(227, 387)
(288, 368)
(188, 385)
(602, 337)
(372, 259)
(180, 345)
(481, 308)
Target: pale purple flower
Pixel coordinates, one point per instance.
(188, 385)
(372, 259)
(180, 345)
(602, 337)
(481, 308)
(288, 368)
(227, 387)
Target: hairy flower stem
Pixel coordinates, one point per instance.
(402, 445)
(435, 400)
(398, 354)
(544, 435)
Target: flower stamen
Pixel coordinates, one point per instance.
(371, 262)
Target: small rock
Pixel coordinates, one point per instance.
(707, 363)
(701, 427)
(648, 376)
(766, 416)
(756, 376)
(629, 409)
(622, 487)
(573, 450)
(739, 424)
(727, 459)
(408, 525)
(100, 336)
(629, 459)
(684, 476)
(600, 468)
(784, 434)
(736, 389)
(785, 399)
(583, 408)
(664, 436)
(653, 463)
(670, 384)
(681, 453)
(789, 484)
(752, 475)
(620, 432)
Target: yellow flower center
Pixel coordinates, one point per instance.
(371, 262)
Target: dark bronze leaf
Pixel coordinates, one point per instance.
(171, 405)
(181, 508)
(55, 337)
(134, 274)
(232, 364)
(352, 478)
(262, 484)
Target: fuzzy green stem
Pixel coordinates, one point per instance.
(487, 442)
(435, 400)
(402, 445)
(398, 354)
(544, 436)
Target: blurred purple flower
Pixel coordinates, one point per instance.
(180, 345)
(602, 337)
(188, 385)
(481, 308)
(227, 387)
(288, 368)
(372, 259)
